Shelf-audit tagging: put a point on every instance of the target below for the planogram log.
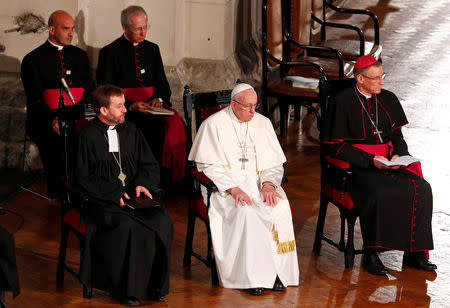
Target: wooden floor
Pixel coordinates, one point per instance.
(417, 64)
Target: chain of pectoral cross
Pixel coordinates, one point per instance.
(375, 126)
(122, 177)
(242, 145)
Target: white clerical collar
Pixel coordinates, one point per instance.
(134, 43)
(366, 96)
(56, 45)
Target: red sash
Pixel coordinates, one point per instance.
(385, 150)
(139, 94)
(51, 97)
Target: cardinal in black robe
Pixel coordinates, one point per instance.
(394, 204)
(41, 73)
(128, 252)
(135, 65)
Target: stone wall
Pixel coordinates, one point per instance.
(12, 126)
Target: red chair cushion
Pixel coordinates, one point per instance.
(73, 218)
(206, 112)
(333, 194)
(341, 164)
(199, 207)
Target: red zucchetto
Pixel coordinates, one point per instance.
(365, 61)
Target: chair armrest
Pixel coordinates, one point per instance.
(344, 26)
(297, 63)
(337, 163)
(339, 173)
(337, 53)
(361, 12)
(203, 179)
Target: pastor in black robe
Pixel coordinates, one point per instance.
(127, 65)
(129, 254)
(395, 206)
(42, 69)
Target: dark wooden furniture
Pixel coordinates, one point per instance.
(276, 65)
(72, 221)
(350, 48)
(202, 105)
(335, 178)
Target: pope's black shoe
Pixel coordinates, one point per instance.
(155, 295)
(372, 263)
(255, 291)
(126, 300)
(278, 285)
(418, 260)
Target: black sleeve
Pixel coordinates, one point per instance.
(38, 114)
(399, 144)
(345, 151)
(87, 80)
(162, 85)
(148, 167)
(334, 130)
(105, 67)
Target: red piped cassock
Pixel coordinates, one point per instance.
(41, 73)
(139, 70)
(395, 206)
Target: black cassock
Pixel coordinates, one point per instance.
(42, 69)
(129, 66)
(9, 276)
(130, 253)
(395, 206)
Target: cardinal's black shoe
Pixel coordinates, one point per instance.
(418, 260)
(372, 263)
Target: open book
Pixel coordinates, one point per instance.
(404, 160)
(159, 111)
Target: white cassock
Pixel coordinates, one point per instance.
(252, 244)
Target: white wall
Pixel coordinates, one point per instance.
(182, 28)
(18, 45)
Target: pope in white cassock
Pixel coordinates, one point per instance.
(250, 216)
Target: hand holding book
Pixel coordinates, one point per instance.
(401, 161)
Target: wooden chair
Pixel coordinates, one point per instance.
(72, 221)
(202, 105)
(351, 49)
(71, 214)
(297, 21)
(335, 177)
(277, 65)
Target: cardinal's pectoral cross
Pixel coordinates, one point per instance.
(378, 133)
(122, 177)
(243, 160)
